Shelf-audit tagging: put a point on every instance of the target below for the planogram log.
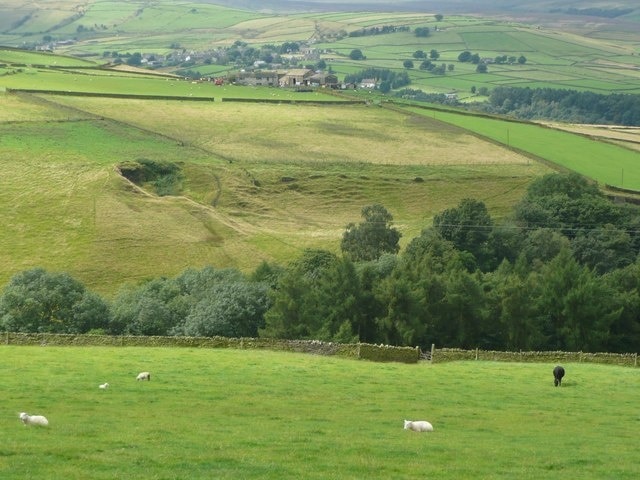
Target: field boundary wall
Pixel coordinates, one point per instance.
(362, 351)
(129, 96)
(440, 355)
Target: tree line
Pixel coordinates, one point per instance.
(566, 105)
(561, 273)
(388, 79)
(385, 29)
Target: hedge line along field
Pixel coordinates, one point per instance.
(258, 414)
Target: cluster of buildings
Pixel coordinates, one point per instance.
(294, 78)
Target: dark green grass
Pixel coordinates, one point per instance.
(238, 414)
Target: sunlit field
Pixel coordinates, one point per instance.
(249, 414)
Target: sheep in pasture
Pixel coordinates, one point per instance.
(558, 373)
(33, 420)
(418, 426)
(104, 386)
(144, 376)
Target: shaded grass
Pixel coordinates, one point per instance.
(231, 414)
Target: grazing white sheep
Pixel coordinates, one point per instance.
(144, 376)
(104, 386)
(33, 420)
(418, 426)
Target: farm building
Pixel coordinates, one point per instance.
(368, 83)
(258, 78)
(324, 80)
(297, 77)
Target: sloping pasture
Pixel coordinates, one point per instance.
(567, 59)
(141, 18)
(232, 414)
(562, 59)
(261, 182)
(22, 57)
(604, 162)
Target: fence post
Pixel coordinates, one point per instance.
(7, 338)
(476, 353)
(433, 349)
(635, 359)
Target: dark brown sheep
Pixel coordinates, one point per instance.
(558, 373)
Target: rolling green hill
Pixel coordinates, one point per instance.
(574, 51)
(258, 180)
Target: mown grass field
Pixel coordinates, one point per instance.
(249, 414)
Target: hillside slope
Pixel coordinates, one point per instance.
(258, 182)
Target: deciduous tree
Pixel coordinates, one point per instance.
(372, 237)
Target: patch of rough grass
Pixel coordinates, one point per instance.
(305, 133)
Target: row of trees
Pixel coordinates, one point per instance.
(562, 273)
(566, 105)
(385, 29)
(388, 79)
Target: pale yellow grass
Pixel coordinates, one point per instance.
(626, 136)
(14, 108)
(306, 133)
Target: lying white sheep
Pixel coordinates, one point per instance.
(33, 420)
(144, 376)
(104, 386)
(418, 426)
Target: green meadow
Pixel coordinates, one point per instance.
(608, 164)
(260, 181)
(258, 414)
(266, 179)
(122, 82)
(561, 52)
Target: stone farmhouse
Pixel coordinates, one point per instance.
(295, 78)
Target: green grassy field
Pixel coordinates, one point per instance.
(265, 181)
(284, 178)
(561, 51)
(606, 163)
(248, 414)
(121, 82)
